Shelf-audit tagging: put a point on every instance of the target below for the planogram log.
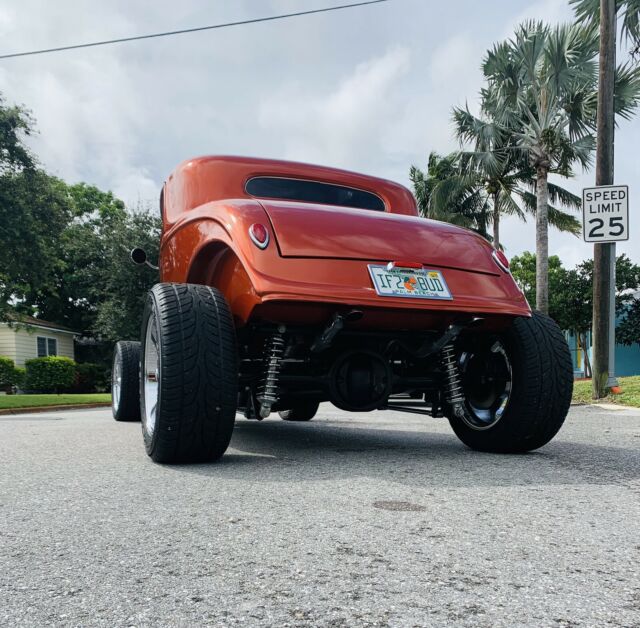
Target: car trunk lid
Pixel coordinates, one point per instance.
(321, 231)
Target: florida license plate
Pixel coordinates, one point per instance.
(409, 282)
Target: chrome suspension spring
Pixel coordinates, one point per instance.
(268, 390)
(453, 383)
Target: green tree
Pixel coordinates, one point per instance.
(34, 212)
(126, 285)
(31, 210)
(504, 171)
(589, 11)
(628, 331)
(15, 124)
(446, 192)
(571, 294)
(543, 81)
(96, 289)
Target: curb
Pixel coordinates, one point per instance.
(77, 406)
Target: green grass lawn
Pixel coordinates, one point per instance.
(32, 401)
(630, 392)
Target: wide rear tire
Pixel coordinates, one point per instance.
(125, 381)
(189, 374)
(539, 395)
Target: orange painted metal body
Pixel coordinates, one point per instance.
(316, 260)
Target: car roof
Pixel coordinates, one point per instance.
(218, 177)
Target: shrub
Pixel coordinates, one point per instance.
(10, 375)
(6, 369)
(19, 376)
(50, 374)
(90, 378)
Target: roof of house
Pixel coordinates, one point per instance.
(38, 322)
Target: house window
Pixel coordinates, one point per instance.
(47, 346)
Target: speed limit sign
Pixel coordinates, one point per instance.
(605, 213)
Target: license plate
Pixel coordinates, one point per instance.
(409, 282)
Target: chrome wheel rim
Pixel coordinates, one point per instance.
(487, 383)
(116, 383)
(151, 375)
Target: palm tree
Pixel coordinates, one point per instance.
(543, 84)
(506, 174)
(446, 192)
(589, 11)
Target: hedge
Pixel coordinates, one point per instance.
(10, 374)
(91, 378)
(50, 374)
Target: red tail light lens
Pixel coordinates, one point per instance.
(259, 235)
(501, 260)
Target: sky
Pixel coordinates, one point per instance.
(369, 89)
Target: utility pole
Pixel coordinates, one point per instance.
(604, 256)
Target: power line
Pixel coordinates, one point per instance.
(120, 40)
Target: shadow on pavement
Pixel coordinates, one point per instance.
(273, 451)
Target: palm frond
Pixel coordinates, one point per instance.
(559, 194)
(563, 221)
(626, 90)
(507, 204)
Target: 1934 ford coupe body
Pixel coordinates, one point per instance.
(284, 285)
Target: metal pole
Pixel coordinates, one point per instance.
(603, 254)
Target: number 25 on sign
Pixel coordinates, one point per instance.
(605, 213)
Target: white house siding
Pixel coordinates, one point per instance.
(7, 342)
(26, 345)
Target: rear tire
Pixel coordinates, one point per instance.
(540, 392)
(302, 412)
(189, 374)
(125, 381)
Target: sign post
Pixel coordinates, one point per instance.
(605, 219)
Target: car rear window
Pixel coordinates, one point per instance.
(313, 192)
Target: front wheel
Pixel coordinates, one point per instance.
(517, 387)
(189, 374)
(125, 387)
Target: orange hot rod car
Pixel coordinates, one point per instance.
(284, 285)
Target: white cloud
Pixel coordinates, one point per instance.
(345, 124)
(368, 89)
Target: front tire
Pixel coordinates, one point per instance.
(125, 378)
(531, 409)
(189, 374)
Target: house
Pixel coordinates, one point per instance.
(35, 338)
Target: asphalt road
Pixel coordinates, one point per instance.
(350, 520)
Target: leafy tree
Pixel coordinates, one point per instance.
(445, 192)
(628, 331)
(33, 214)
(589, 11)
(505, 173)
(523, 269)
(72, 295)
(97, 289)
(571, 295)
(543, 81)
(125, 285)
(15, 124)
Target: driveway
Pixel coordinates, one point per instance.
(380, 519)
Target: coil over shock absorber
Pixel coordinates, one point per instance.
(453, 383)
(268, 389)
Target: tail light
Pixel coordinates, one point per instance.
(501, 260)
(259, 235)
